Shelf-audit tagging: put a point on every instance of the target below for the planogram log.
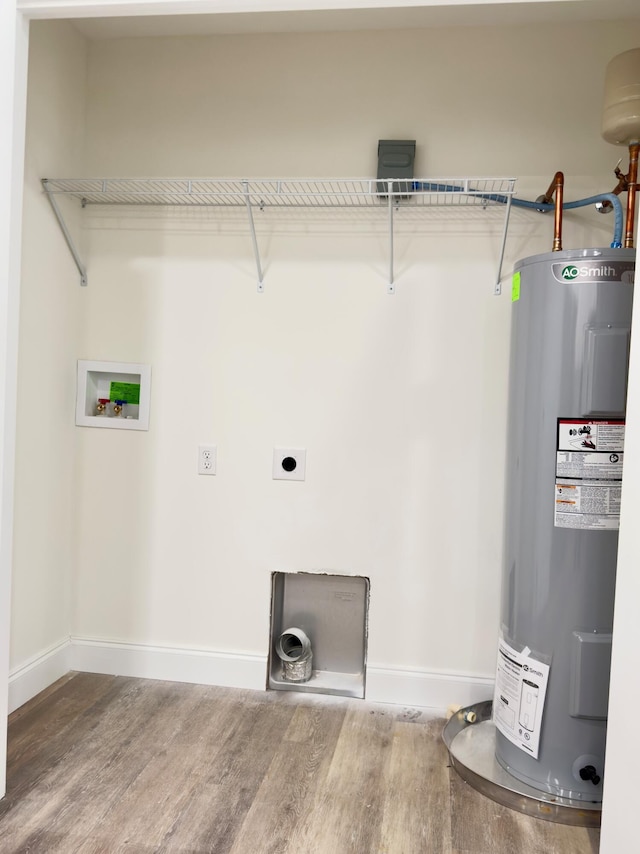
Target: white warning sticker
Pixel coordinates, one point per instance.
(587, 504)
(589, 460)
(518, 702)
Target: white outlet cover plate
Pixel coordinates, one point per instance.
(207, 459)
(281, 454)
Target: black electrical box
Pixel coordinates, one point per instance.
(395, 160)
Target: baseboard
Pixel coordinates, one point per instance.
(172, 664)
(176, 664)
(398, 686)
(423, 688)
(38, 672)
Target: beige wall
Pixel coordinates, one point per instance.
(480, 101)
(45, 503)
(400, 400)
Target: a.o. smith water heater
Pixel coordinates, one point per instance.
(539, 747)
(568, 379)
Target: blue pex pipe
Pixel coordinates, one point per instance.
(538, 206)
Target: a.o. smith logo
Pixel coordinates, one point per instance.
(594, 271)
(573, 272)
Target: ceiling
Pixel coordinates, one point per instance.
(401, 17)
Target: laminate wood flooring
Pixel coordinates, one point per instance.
(108, 765)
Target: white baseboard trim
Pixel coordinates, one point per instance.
(171, 664)
(398, 686)
(38, 672)
(422, 688)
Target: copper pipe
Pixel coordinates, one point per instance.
(621, 187)
(548, 196)
(557, 222)
(632, 180)
(623, 183)
(556, 187)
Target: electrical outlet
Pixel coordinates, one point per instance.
(207, 459)
(289, 463)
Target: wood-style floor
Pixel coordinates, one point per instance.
(107, 765)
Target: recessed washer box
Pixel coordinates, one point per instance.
(332, 612)
(123, 389)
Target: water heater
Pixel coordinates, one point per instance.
(568, 379)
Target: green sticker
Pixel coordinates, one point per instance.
(515, 287)
(129, 392)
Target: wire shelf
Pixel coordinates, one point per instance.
(286, 192)
(290, 193)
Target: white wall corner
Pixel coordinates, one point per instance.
(14, 48)
(38, 672)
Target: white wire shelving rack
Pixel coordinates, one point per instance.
(262, 194)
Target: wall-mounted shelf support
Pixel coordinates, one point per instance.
(398, 195)
(254, 241)
(498, 288)
(67, 236)
(391, 289)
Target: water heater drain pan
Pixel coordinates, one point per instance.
(472, 748)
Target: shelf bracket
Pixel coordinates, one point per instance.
(391, 288)
(74, 252)
(247, 199)
(497, 290)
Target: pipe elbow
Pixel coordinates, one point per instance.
(293, 648)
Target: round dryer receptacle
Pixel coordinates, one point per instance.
(289, 463)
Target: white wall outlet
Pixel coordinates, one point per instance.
(207, 459)
(289, 463)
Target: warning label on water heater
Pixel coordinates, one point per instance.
(589, 459)
(518, 702)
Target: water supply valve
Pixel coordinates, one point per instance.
(101, 406)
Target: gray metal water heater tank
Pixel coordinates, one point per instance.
(568, 379)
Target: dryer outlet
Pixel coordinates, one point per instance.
(289, 463)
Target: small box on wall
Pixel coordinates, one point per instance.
(113, 394)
